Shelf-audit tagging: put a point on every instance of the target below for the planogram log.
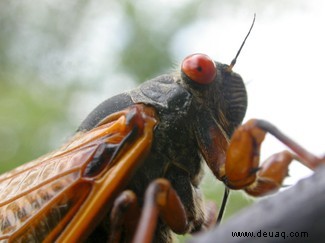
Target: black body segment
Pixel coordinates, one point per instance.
(193, 120)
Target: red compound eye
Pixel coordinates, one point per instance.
(199, 68)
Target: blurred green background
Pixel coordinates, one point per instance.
(59, 59)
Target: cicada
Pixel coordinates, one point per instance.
(133, 169)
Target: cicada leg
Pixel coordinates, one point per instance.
(161, 200)
(124, 217)
(242, 169)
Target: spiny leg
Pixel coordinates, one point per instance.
(242, 169)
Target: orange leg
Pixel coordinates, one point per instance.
(160, 200)
(124, 217)
(242, 169)
(128, 222)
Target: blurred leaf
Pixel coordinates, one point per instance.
(30, 120)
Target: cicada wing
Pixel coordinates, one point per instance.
(63, 195)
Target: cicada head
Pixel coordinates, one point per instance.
(218, 92)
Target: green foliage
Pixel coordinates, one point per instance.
(31, 117)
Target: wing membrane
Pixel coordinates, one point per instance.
(43, 197)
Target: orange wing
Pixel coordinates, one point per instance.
(65, 193)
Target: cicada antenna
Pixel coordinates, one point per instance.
(233, 62)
